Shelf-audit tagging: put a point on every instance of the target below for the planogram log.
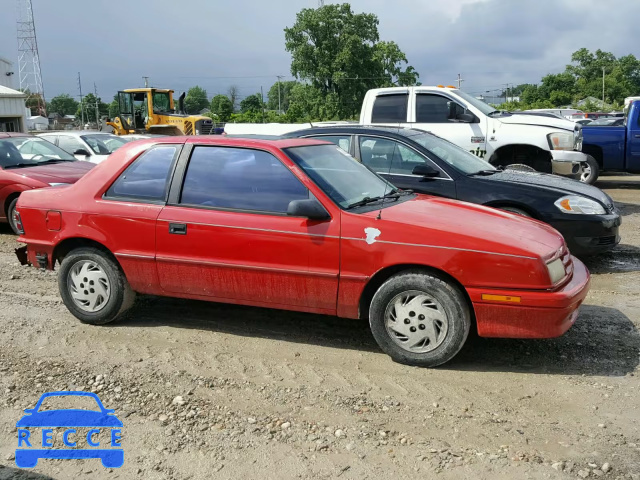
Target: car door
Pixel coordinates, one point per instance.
(439, 115)
(633, 144)
(395, 161)
(226, 235)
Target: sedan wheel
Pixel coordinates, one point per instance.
(93, 286)
(11, 216)
(420, 319)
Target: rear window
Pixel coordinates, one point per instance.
(148, 177)
(390, 109)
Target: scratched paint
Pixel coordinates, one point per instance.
(372, 234)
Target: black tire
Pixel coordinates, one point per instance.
(10, 215)
(120, 298)
(452, 302)
(517, 211)
(591, 175)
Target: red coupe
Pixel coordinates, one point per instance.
(299, 225)
(28, 162)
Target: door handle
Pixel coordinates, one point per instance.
(178, 228)
(637, 136)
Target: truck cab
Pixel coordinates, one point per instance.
(545, 143)
(616, 148)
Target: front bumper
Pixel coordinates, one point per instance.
(588, 234)
(567, 163)
(539, 314)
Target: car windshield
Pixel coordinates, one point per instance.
(103, 144)
(16, 152)
(65, 402)
(345, 180)
(479, 104)
(455, 156)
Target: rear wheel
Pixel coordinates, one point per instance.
(517, 211)
(590, 171)
(93, 287)
(11, 216)
(419, 319)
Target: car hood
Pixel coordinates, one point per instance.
(465, 226)
(538, 120)
(69, 418)
(561, 185)
(67, 172)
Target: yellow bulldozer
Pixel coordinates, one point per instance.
(152, 110)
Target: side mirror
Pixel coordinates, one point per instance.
(425, 171)
(311, 209)
(466, 117)
(82, 151)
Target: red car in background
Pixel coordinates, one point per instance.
(28, 162)
(299, 225)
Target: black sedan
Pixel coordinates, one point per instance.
(417, 160)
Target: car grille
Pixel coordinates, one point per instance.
(603, 241)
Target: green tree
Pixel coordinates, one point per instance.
(89, 103)
(281, 90)
(222, 108)
(252, 103)
(62, 105)
(196, 100)
(114, 107)
(336, 51)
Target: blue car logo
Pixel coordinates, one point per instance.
(29, 443)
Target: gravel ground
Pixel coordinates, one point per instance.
(219, 391)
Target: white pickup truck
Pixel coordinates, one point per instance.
(545, 143)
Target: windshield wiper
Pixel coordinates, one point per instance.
(20, 165)
(55, 160)
(394, 194)
(485, 172)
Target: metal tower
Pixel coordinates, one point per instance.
(28, 57)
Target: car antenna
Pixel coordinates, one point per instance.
(395, 147)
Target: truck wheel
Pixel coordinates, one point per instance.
(590, 171)
(93, 287)
(515, 210)
(419, 319)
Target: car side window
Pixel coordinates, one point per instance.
(343, 141)
(240, 179)
(390, 157)
(147, 178)
(436, 109)
(390, 109)
(70, 144)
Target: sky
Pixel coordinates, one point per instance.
(214, 43)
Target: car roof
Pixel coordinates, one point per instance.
(14, 134)
(75, 133)
(362, 129)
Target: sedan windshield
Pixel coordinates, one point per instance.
(345, 180)
(17, 152)
(103, 144)
(455, 156)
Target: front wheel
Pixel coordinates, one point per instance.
(11, 216)
(419, 319)
(93, 287)
(590, 171)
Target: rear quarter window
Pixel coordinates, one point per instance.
(147, 178)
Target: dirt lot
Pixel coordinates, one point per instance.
(216, 391)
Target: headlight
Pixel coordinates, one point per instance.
(577, 139)
(58, 184)
(579, 205)
(560, 141)
(556, 270)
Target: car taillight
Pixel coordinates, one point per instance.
(18, 222)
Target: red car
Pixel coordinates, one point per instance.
(28, 162)
(299, 225)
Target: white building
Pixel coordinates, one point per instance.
(12, 110)
(37, 122)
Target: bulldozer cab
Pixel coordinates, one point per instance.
(139, 108)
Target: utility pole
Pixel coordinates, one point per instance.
(262, 101)
(146, 82)
(95, 89)
(320, 3)
(460, 80)
(506, 92)
(279, 108)
(81, 101)
(602, 89)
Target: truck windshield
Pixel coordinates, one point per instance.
(345, 180)
(479, 104)
(455, 156)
